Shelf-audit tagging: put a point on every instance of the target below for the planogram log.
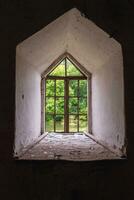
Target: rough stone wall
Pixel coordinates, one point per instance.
(58, 180)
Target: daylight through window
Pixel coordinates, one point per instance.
(66, 99)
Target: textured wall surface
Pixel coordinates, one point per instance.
(108, 102)
(28, 104)
(98, 53)
(58, 180)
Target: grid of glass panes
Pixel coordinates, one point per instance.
(66, 99)
(77, 105)
(54, 105)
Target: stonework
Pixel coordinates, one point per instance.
(75, 147)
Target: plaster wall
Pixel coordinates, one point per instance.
(101, 56)
(43, 47)
(28, 101)
(88, 43)
(96, 51)
(108, 102)
(71, 32)
(69, 180)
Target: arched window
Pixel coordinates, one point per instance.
(65, 97)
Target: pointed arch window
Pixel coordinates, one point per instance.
(66, 97)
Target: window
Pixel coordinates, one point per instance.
(105, 114)
(65, 106)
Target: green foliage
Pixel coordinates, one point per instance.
(59, 118)
(73, 105)
(72, 70)
(82, 105)
(59, 70)
(49, 105)
(73, 88)
(49, 87)
(59, 105)
(59, 87)
(83, 88)
(77, 99)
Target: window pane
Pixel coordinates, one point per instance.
(73, 123)
(73, 88)
(49, 123)
(59, 70)
(72, 70)
(73, 105)
(59, 87)
(59, 122)
(49, 105)
(49, 87)
(82, 105)
(60, 105)
(83, 88)
(82, 123)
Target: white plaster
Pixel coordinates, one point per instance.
(108, 102)
(99, 54)
(28, 101)
(89, 44)
(73, 33)
(42, 48)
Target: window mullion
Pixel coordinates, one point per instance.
(54, 105)
(78, 108)
(65, 67)
(66, 124)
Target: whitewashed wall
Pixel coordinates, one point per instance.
(108, 102)
(96, 51)
(28, 101)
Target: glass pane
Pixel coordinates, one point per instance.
(59, 70)
(73, 105)
(82, 105)
(49, 123)
(73, 123)
(82, 123)
(49, 105)
(73, 88)
(49, 87)
(72, 70)
(59, 122)
(83, 88)
(59, 87)
(60, 105)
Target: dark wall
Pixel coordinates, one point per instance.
(60, 180)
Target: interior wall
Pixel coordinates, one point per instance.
(46, 45)
(98, 53)
(58, 180)
(88, 43)
(28, 102)
(102, 56)
(108, 102)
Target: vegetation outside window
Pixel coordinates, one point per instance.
(66, 99)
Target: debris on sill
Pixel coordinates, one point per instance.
(75, 147)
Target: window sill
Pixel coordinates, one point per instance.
(75, 147)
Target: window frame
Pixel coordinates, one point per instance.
(86, 76)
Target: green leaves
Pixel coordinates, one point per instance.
(65, 68)
(70, 104)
